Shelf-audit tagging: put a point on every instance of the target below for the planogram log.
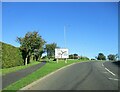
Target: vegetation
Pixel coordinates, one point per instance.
(117, 57)
(92, 59)
(101, 56)
(48, 68)
(32, 43)
(32, 47)
(50, 49)
(11, 56)
(73, 56)
(83, 58)
(13, 69)
(111, 57)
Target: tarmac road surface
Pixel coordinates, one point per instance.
(80, 76)
(15, 76)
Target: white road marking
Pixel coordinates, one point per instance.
(110, 72)
(113, 79)
(102, 65)
(105, 72)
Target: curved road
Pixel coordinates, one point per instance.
(80, 76)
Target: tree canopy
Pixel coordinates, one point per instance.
(101, 56)
(32, 42)
(111, 57)
(73, 56)
(50, 49)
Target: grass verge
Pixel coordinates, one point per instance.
(48, 68)
(13, 69)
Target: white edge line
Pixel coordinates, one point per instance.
(35, 82)
(110, 72)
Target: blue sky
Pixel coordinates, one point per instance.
(91, 27)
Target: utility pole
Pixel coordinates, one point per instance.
(65, 36)
(65, 41)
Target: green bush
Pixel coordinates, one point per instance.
(83, 58)
(11, 56)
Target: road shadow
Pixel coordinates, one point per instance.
(116, 63)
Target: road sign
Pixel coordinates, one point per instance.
(61, 53)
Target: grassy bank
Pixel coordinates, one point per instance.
(48, 68)
(13, 69)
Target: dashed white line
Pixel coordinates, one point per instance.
(110, 72)
(113, 79)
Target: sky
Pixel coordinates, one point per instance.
(91, 27)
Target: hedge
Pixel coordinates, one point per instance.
(11, 56)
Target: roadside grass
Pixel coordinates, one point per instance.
(13, 69)
(48, 68)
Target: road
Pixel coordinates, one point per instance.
(15, 76)
(80, 76)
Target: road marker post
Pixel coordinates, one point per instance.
(57, 60)
(65, 60)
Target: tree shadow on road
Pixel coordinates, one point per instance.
(116, 63)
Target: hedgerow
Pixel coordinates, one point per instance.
(11, 56)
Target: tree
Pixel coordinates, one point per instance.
(37, 54)
(71, 56)
(50, 49)
(101, 56)
(83, 58)
(111, 57)
(30, 43)
(75, 56)
(117, 57)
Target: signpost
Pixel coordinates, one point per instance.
(61, 53)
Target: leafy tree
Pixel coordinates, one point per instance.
(44, 57)
(111, 57)
(32, 42)
(101, 56)
(50, 49)
(83, 58)
(96, 57)
(75, 56)
(37, 54)
(71, 56)
(117, 56)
